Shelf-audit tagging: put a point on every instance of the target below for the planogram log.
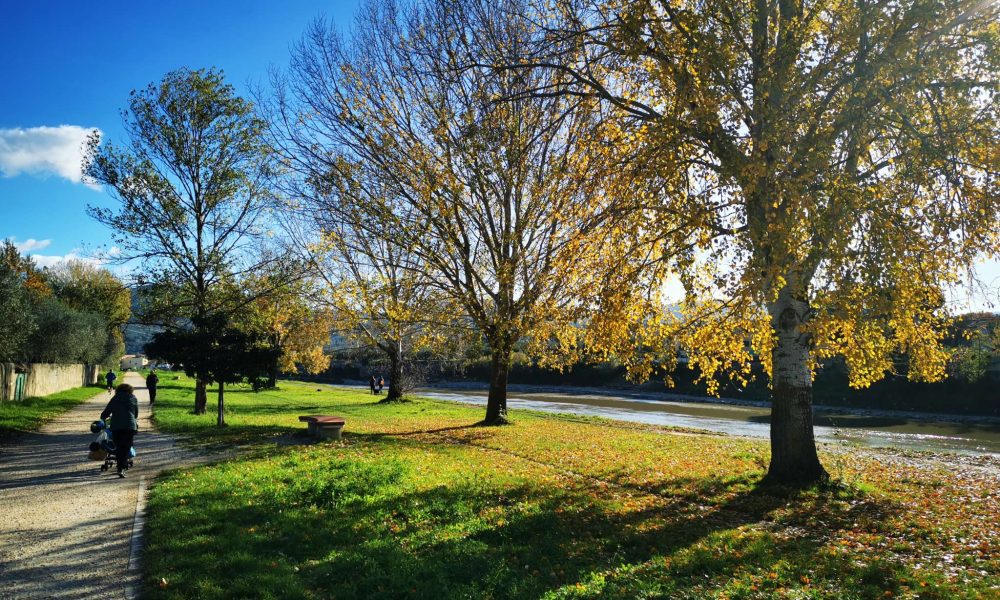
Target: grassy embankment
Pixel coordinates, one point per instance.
(31, 413)
(416, 503)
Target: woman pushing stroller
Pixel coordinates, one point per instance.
(124, 412)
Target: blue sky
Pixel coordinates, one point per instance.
(69, 67)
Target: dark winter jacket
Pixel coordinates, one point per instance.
(152, 380)
(124, 412)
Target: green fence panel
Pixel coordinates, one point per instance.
(19, 379)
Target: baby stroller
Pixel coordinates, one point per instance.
(103, 448)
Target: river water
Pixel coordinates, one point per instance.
(910, 431)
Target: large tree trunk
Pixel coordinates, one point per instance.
(395, 373)
(793, 447)
(496, 402)
(220, 420)
(200, 397)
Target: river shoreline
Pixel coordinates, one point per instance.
(645, 396)
(902, 430)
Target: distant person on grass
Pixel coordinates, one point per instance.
(124, 412)
(381, 384)
(110, 378)
(151, 381)
(371, 384)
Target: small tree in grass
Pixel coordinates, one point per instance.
(214, 351)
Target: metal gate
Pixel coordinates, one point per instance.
(19, 379)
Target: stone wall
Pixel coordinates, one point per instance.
(45, 379)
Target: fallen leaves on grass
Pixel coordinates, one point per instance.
(415, 503)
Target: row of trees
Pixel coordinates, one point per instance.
(813, 175)
(405, 161)
(72, 313)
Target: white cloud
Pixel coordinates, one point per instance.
(103, 258)
(45, 260)
(44, 151)
(30, 245)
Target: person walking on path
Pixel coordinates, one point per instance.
(124, 412)
(371, 384)
(151, 381)
(110, 378)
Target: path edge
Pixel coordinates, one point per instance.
(133, 582)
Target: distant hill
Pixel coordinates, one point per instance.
(137, 335)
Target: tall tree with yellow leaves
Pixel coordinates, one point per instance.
(821, 172)
(490, 198)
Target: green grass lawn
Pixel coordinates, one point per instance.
(417, 503)
(32, 413)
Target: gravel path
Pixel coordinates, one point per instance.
(66, 528)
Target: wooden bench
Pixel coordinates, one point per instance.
(323, 427)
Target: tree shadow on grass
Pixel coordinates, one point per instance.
(385, 435)
(212, 438)
(268, 408)
(203, 433)
(350, 529)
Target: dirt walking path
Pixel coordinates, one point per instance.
(66, 528)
